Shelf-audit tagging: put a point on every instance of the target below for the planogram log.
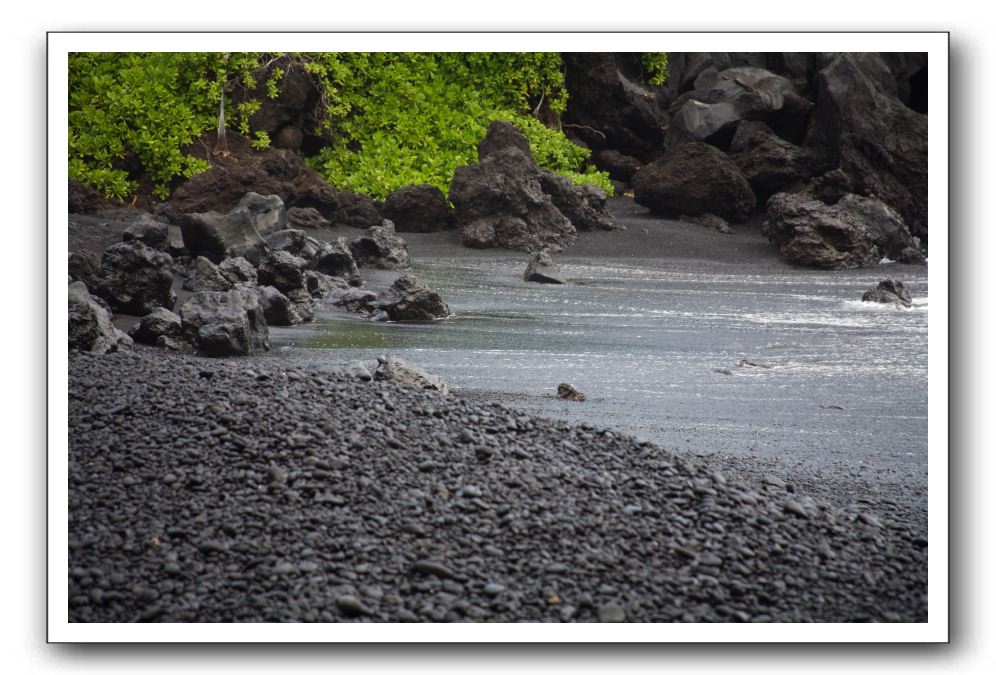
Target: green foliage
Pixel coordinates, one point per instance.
(654, 67)
(388, 119)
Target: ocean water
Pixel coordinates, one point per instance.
(660, 348)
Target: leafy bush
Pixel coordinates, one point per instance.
(389, 119)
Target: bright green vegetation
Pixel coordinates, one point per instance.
(389, 119)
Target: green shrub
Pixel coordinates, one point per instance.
(389, 119)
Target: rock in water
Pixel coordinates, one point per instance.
(90, 327)
(570, 393)
(393, 368)
(380, 247)
(408, 299)
(226, 323)
(889, 291)
(238, 271)
(336, 259)
(418, 208)
(135, 278)
(283, 271)
(543, 270)
(693, 179)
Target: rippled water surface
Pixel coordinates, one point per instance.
(656, 345)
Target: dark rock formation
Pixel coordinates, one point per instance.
(879, 144)
(619, 166)
(335, 258)
(149, 231)
(408, 299)
(543, 270)
(768, 162)
(90, 326)
(159, 322)
(226, 323)
(238, 271)
(355, 300)
(218, 236)
(418, 208)
(889, 291)
(283, 271)
(277, 308)
(710, 220)
(583, 205)
(84, 266)
(205, 276)
(356, 210)
(295, 242)
(607, 109)
(379, 247)
(85, 199)
(813, 234)
(692, 179)
(136, 279)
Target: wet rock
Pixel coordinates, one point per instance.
(90, 327)
(418, 208)
(135, 279)
(295, 242)
(569, 392)
(611, 613)
(889, 291)
(355, 300)
(226, 323)
(396, 370)
(693, 179)
(357, 370)
(541, 269)
(380, 247)
(319, 285)
(408, 299)
(159, 322)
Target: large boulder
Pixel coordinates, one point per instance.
(379, 247)
(267, 213)
(541, 269)
(813, 234)
(767, 161)
(205, 276)
(721, 99)
(158, 322)
(889, 291)
(90, 326)
(418, 208)
(608, 109)
(394, 369)
(861, 127)
(217, 236)
(277, 308)
(408, 299)
(283, 271)
(335, 258)
(692, 179)
(356, 210)
(226, 323)
(151, 232)
(135, 279)
(238, 271)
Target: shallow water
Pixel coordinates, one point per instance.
(845, 383)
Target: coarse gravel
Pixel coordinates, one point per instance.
(211, 490)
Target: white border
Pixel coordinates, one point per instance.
(935, 630)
